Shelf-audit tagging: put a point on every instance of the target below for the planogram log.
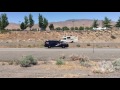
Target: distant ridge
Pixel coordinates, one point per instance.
(69, 23)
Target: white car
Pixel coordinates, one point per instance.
(69, 39)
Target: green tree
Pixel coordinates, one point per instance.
(107, 23)
(87, 28)
(51, 26)
(72, 28)
(81, 28)
(58, 28)
(26, 22)
(3, 21)
(95, 24)
(0, 23)
(76, 28)
(40, 21)
(31, 21)
(91, 28)
(23, 26)
(118, 23)
(65, 28)
(43, 22)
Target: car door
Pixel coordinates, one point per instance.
(57, 44)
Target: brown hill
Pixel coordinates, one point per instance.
(68, 23)
(13, 26)
(78, 23)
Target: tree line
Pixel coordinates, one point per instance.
(29, 22)
(43, 23)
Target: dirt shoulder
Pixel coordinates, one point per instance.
(71, 69)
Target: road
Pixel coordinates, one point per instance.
(45, 53)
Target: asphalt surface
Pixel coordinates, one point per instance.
(46, 54)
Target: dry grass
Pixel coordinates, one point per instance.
(71, 76)
(71, 69)
(103, 67)
(41, 36)
(38, 38)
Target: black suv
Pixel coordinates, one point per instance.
(55, 43)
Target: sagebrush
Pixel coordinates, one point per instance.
(28, 61)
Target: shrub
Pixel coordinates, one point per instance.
(25, 63)
(3, 63)
(59, 62)
(116, 64)
(113, 37)
(28, 61)
(45, 62)
(29, 46)
(17, 62)
(78, 45)
(74, 57)
(32, 60)
(103, 67)
(62, 56)
(88, 44)
(11, 62)
(84, 61)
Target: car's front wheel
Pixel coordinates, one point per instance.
(63, 46)
(49, 46)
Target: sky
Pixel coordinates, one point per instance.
(18, 17)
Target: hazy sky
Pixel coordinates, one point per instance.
(62, 16)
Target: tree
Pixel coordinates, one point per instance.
(65, 28)
(31, 21)
(58, 28)
(81, 28)
(76, 28)
(106, 23)
(40, 21)
(72, 28)
(0, 23)
(95, 24)
(118, 23)
(26, 22)
(91, 28)
(23, 26)
(3, 21)
(43, 22)
(87, 28)
(51, 26)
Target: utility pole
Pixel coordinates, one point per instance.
(19, 23)
(73, 24)
(93, 46)
(84, 27)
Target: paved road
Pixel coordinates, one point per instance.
(17, 53)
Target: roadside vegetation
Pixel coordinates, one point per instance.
(27, 61)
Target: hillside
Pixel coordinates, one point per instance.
(78, 23)
(36, 39)
(68, 23)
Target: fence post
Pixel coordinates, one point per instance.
(93, 46)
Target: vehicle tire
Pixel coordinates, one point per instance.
(63, 46)
(49, 46)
